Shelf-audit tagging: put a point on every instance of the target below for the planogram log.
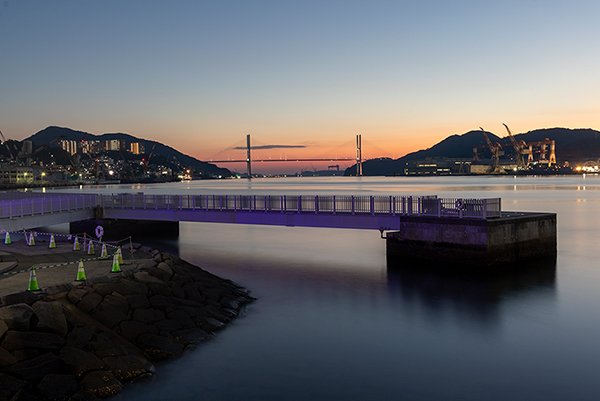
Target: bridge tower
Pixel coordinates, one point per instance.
(359, 171)
(248, 157)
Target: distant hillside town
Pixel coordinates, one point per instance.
(61, 156)
(58, 156)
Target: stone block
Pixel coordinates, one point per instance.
(101, 384)
(158, 347)
(129, 367)
(17, 316)
(58, 387)
(14, 340)
(80, 362)
(36, 368)
(50, 317)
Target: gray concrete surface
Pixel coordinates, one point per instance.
(22, 258)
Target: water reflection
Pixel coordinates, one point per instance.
(333, 322)
(474, 298)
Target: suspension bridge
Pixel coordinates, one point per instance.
(249, 160)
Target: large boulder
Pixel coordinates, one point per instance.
(24, 354)
(191, 336)
(24, 297)
(148, 315)
(9, 386)
(131, 329)
(129, 367)
(76, 294)
(162, 301)
(116, 301)
(80, 361)
(144, 277)
(101, 384)
(158, 347)
(80, 337)
(110, 344)
(162, 271)
(145, 263)
(194, 292)
(14, 340)
(137, 301)
(58, 387)
(169, 325)
(50, 317)
(16, 316)
(6, 358)
(161, 289)
(182, 317)
(3, 328)
(130, 287)
(36, 368)
(89, 302)
(110, 315)
(166, 267)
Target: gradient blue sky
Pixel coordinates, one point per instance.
(198, 75)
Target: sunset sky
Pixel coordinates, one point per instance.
(199, 75)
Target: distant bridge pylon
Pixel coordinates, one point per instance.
(358, 159)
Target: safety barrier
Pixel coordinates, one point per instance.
(481, 208)
(39, 204)
(330, 204)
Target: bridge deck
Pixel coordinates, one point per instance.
(335, 211)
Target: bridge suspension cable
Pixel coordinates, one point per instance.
(358, 158)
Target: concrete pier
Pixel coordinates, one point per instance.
(478, 244)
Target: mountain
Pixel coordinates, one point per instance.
(573, 145)
(455, 146)
(48, 137)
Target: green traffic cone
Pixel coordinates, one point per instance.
(90, 249)
(33, 282)
(120, 255)
(31, 241)
(7, 240)
(104, 252)
(76, 245)
(80, 272)
(116, 266)
(52, 244)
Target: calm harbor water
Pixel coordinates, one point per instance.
(332, 322)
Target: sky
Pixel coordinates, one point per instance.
(200, 75)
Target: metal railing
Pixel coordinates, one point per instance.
(40, 204)
(330, 204)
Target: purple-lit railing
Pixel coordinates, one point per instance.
(325, 204)
(32, 204)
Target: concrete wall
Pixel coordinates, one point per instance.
(527, 237)
(452, 243)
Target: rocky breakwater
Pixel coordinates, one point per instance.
(78, 342)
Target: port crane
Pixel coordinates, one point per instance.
(521, 150)
(10, 153)
(146, 161)
(495, 149)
